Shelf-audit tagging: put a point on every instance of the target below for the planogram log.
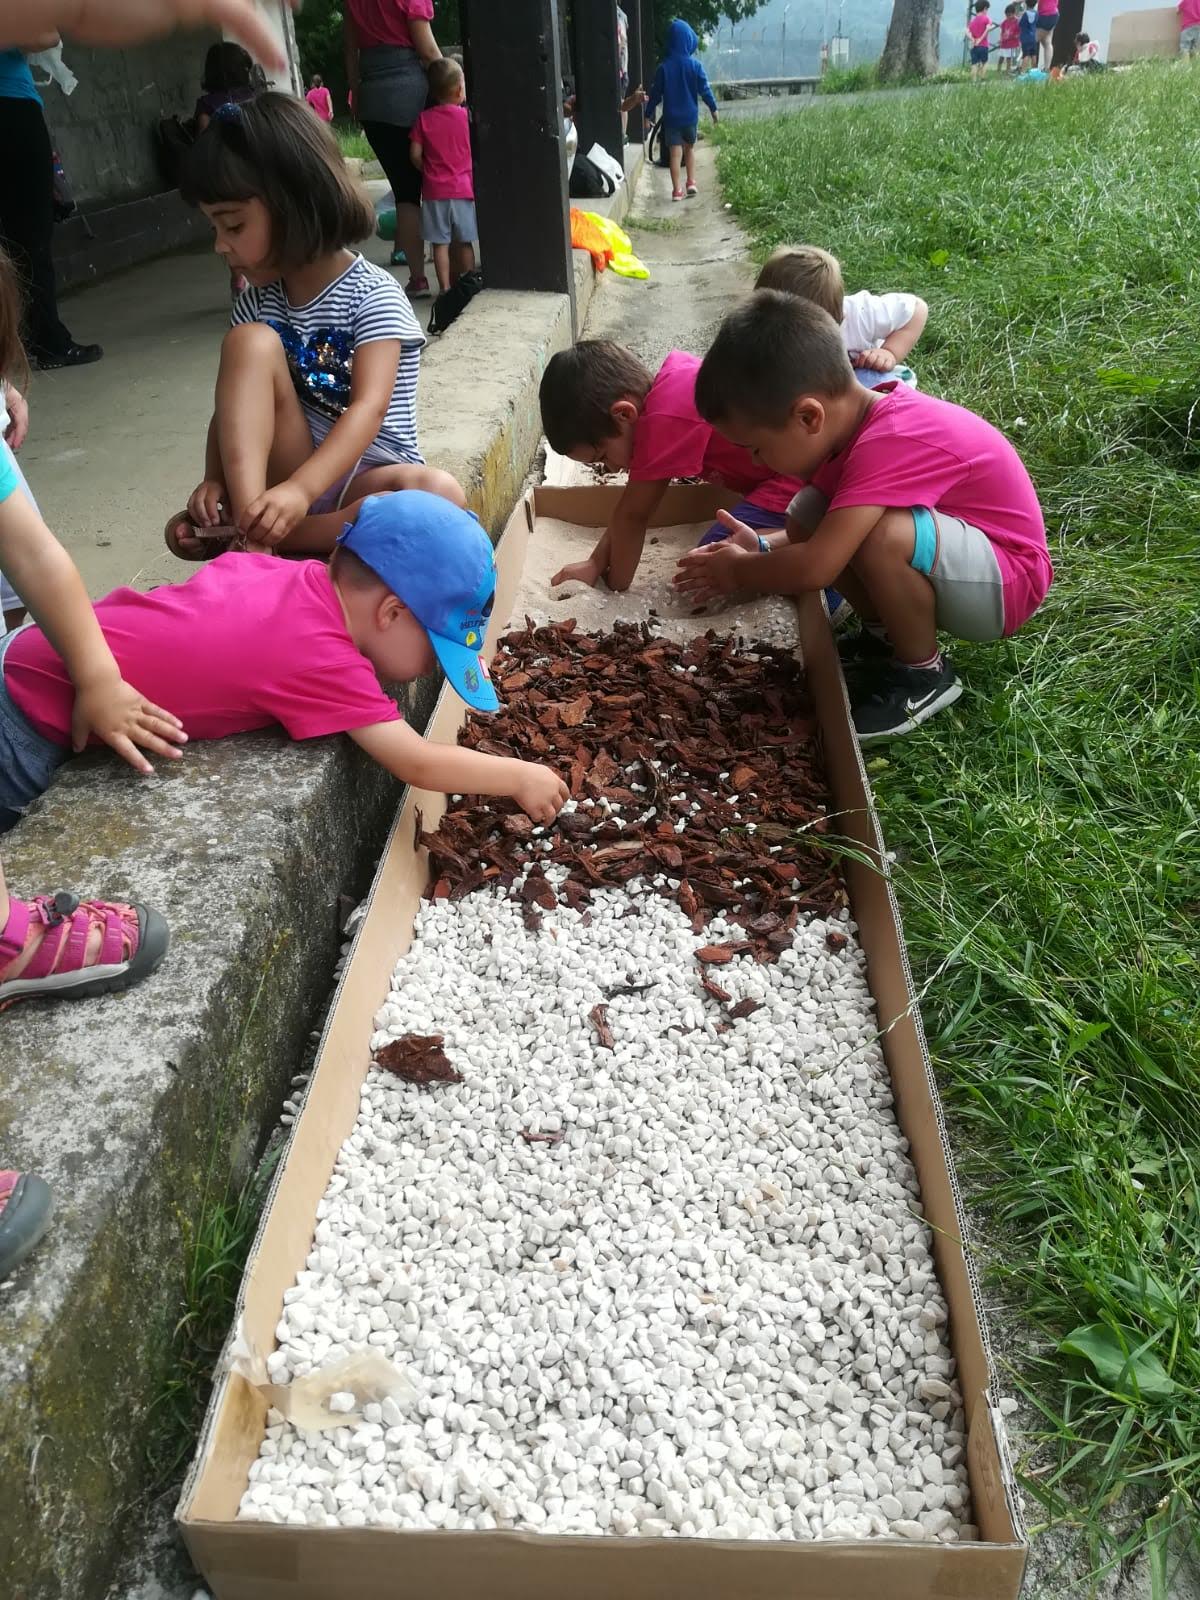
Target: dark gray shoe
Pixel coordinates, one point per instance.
(895, 699)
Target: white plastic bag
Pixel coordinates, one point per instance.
(607, 163)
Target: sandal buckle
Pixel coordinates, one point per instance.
(65, 905)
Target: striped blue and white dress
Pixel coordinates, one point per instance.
(363, 306)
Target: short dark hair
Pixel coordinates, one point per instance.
(443, 75)
(1083, 38)
(982, 5)
(579, 388)
(227, 66)
(767, 353)
(273, 149)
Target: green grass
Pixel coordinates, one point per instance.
(352, 141)
(865, 76)
(1048, 828)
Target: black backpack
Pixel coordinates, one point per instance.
(656, 146)
(173, 138)
(451, 304)
(588, 182)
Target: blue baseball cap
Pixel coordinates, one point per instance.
(438, 560)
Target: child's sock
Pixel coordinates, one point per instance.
(934, 661)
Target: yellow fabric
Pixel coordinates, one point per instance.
(623, 259)
(585, 235)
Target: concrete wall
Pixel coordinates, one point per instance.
(105, 130)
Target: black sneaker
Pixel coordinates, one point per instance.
(75, 355)
(898, 698)
(862, 649)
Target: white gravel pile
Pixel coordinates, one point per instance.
(676, 1286)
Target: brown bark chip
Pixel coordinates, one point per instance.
(418, 1058)
(598, 1017)
(644, 729)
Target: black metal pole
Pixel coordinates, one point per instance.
(637, 66)
(649, 48)
(512, 57)
(597, 78)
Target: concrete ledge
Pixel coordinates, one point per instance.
(96, 242)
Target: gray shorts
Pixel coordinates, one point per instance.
(448, 222)
(1189, 40)
(27, 760)
(960, 563)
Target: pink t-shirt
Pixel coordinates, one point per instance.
(1189, 14)
(250, 641)
(1047, 8)
(386, 21)
(673, 440)
(444, 134)
(1010, 33)
(915, 450)
(322, 103)
(978, 27)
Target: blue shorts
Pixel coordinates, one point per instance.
(979, 55)
(1048, 23)
(678, 134)
(27, 760)
(762, 521)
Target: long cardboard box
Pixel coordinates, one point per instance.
(247, 1560)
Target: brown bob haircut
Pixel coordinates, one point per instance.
(580, 387)
(808, 271)
(14, 364)
(273, 149)
(768, 353)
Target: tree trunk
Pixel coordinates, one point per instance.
(911, 50)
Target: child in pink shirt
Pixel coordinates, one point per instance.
(252, 641)
(600, 405)
(1010, 38)
(441, 149)
(919, 511)
(978, 29)
(320, 99)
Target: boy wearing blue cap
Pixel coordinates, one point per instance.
(252, 640)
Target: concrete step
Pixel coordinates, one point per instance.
(94, 243)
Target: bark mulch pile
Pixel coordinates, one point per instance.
(644, 729)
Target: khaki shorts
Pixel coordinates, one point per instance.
(961, 564)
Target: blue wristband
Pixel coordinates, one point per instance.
(764, 545)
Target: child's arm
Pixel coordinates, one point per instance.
(204, 506)
(276, 512)
(451, 769)
(616, 556)
(18, 417)
(797, 566)
(416, 154)
(47, 580)
(657, 90)
(705, 90)
(897, 345)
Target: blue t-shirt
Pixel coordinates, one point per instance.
(16, 80)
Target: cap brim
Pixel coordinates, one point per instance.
(465, 673)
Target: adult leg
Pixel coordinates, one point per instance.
(262, 432)
(1045, 49)
(27, 222)
(391, 146)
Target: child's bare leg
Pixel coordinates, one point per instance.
(317, 535)
(462, 259)
(441, 265)
(676, 155)
(689, 158)
(901, 598)
(262, 432)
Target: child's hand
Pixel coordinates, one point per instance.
(880, 360)
(589, 572)
(116, 713)
(207, 502)
(269, 519)
(714, 570)
(739, 535)
(18, 412)
(540, 793)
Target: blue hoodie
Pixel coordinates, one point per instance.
(680, 80)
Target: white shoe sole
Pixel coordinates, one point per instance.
(951, 693)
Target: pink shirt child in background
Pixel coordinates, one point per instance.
(916, 450)
(979, 27)
(320, 99)
(1010, 32)
(441, 148)
(447, 169)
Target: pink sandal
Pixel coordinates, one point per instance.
(133, 943)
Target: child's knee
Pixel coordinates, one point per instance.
(890, 542)
(251, 341)
(443, 483)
